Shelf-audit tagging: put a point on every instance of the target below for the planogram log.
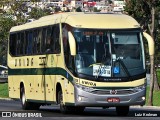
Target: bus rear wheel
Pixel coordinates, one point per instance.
(122, 110)
(25, 104)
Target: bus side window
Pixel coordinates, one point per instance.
(53, 39)
(18, 44)
(30, 42)
(49, 41)
(12, 44)
(34, 41)
(68, 58)
(43, 45)
(22, 44)
(39, 39)
(26, 41)
(56, 41)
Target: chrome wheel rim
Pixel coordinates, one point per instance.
(23, 98)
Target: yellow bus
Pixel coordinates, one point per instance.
(78, 60)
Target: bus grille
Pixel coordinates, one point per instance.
(117, 92)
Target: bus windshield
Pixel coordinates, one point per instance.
(109, 53)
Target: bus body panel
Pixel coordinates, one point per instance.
(109, 21)
(95, 84)
(41, 73)
(96, 100)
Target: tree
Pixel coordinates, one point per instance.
(144, 11)
(36, 13)
(5, 24)
(17, 10)
(78, 9)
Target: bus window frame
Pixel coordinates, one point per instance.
(56, 40)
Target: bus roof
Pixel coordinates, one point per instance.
(83, 20)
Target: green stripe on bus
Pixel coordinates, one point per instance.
(40, 71)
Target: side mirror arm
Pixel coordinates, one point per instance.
(72, 43)
(150, 43)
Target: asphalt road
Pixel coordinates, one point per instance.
(13, 108)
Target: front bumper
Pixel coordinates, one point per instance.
(89, 99)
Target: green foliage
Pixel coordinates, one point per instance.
(158, 75)
(4, 90)
(36, 13)
(78, 9)
(141, 10)
(156, 97)
(5, 25)
(156, 94)
(6, 21)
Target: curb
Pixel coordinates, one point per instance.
(5, 99)
(149, 107)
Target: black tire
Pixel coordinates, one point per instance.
(63, 108)
(79, 109)
(35, 106)
(122, 110)
(25, 104)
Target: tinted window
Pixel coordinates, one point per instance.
(38, 41)
(29, 42)
(12, 44)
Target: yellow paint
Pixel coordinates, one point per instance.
(34, 85)
(112, 84)
(83, 20)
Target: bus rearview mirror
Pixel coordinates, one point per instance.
(72, 43)
(150, 43)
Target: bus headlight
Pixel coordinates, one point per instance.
(143, 98)
(139, 88)
(84, 88)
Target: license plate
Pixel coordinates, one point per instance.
(102, 70)
(114, 100)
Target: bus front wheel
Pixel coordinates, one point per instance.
(63, 108)
(122, 110)
(25, 104)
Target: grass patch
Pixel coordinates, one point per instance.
(156, 97)
(158, 75)
(4, 90)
